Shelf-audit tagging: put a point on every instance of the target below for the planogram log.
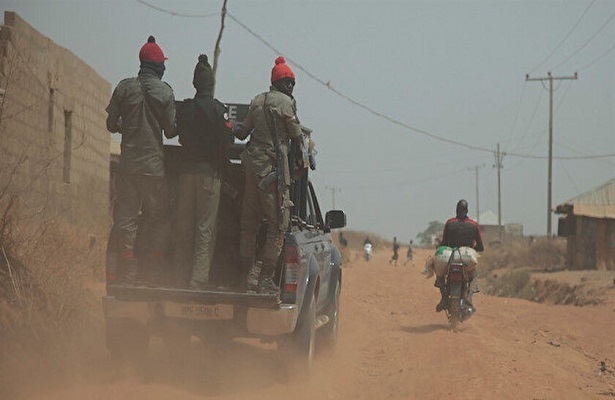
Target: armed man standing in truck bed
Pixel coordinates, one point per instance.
(140, 109)
(259, 158)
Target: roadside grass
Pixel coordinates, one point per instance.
(543, 255)
(509, 271)
(48, 316)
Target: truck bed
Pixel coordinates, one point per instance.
(150, 294)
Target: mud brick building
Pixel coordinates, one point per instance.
(589, 225)
(54, 148)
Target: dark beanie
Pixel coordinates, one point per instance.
(203, 80)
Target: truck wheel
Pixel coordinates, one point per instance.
(327, 335)
(127, 340)
(298, 348)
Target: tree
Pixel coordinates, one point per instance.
(433, 230)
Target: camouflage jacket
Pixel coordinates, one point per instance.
(260, 152)
(140, 109)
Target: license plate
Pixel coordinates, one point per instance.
(201, 311)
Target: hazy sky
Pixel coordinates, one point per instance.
(454, 69)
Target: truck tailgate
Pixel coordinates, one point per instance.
(149, 294)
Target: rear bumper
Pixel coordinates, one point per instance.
(261, 321)
(256, 321)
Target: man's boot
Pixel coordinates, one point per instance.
(252, 277)
(266, 285)
(443, 304)
(440, 283)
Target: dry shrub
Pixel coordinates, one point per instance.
(515, 283)
(47, 314)
(553, 292)
(542, 255)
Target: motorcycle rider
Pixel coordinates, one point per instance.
(460, 231)
(367, 248)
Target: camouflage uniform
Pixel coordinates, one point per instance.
(139, 110)
(259, 159)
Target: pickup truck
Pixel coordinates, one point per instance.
(304, 315)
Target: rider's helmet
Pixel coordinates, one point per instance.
(462, 209)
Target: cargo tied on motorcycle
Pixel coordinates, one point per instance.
(445, 255)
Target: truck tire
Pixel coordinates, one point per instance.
(327, 335)
(127, 340)
(298, 348)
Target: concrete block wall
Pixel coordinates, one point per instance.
(45, 85)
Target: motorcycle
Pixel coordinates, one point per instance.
(367, 251)
(458, 292)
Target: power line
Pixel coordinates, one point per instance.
(567, 173)
(587, 42)
(565, 37)
(527, 129)
(328, 85)
(598, 59)
(177, 14)
(514, 125)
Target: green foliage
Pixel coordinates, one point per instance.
(435, 228)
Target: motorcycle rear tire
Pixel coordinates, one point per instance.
(455, 314)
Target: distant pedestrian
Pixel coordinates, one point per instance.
(395, 256)
(342, 240)
(409, 254)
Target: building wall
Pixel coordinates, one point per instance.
(54, 148)
(591, 245)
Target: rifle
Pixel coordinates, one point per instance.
(279, 169)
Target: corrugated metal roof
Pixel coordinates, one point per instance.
(598, 202)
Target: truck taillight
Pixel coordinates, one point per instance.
(291, 274)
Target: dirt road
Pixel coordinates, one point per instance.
(392, 345)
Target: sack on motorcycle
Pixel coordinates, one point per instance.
(469, 258)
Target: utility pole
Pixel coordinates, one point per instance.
(217, 48)
(550, 78)
(333, 190)
(499, 157)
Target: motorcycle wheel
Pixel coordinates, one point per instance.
(455, 314)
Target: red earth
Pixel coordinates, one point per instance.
(392, 345)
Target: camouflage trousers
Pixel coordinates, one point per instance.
(198, 200)
(140, 219)
(259, 205)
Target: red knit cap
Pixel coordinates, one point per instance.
(151, 51)
(281, 70)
